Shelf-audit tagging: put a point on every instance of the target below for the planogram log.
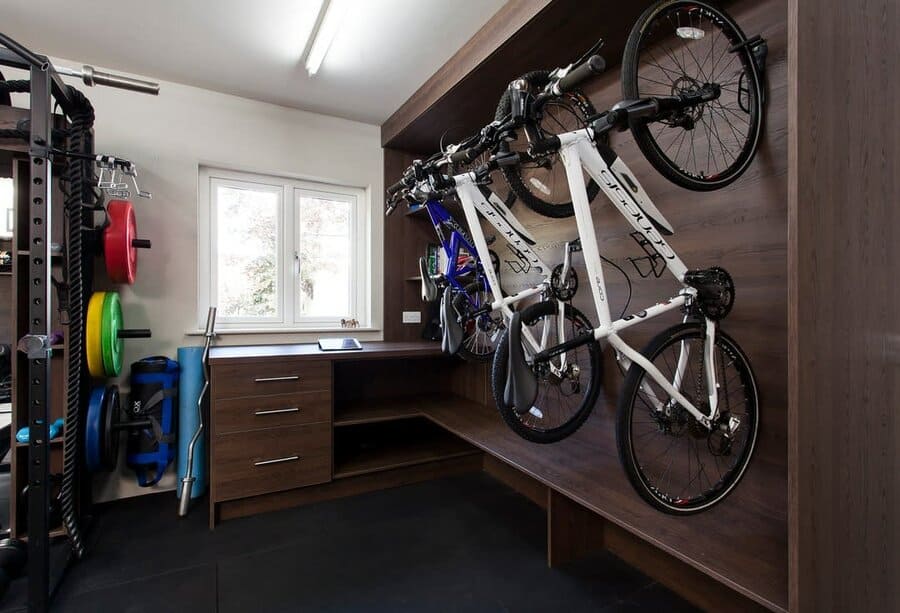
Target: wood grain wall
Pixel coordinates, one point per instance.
(742, 228)
(843, 323)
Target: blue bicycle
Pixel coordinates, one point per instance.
(463, 287)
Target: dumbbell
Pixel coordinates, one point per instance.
(120, 242)
(104, 334)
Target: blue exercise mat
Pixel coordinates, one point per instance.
(189, 386)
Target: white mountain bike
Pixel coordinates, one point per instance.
(688, 412)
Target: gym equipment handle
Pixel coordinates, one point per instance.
(278, 411)
(272, 379)
(137, 333)
(593, 66)
(292, 458)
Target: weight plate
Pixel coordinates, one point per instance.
(111, 345)
(111, 415)
(93, 426)
(93, 335)
(119, 252)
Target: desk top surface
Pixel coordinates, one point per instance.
(370, 350)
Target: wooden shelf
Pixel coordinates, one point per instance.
(739, 543)
(390, 409)
(371, 448)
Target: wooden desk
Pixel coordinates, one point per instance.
(401, 413)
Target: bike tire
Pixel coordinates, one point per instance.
(628, 442)
(498, 379)
(513, 174)
(651, 145)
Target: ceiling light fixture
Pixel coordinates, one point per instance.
(332, 16)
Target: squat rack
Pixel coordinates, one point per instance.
(46, 87)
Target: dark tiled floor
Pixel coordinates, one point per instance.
(466, 543)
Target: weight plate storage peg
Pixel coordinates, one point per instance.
(105, 333)
(120, 242)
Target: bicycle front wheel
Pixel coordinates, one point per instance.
(674, 462)
(680, 47)
(568, 385)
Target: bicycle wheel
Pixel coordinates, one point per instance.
(678, 47)
(542, 185)
(565, 399)
(482, 333)
(675, 463)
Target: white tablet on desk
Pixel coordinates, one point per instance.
(339, 344)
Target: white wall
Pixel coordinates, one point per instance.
(169, 137)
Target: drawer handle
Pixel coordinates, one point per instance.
(277, 411)
(292, 458)
(271, 379)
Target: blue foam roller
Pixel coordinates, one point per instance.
(189, 386)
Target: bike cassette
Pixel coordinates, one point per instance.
(563, 289)
(715, 291)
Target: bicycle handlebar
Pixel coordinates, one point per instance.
(593, 66)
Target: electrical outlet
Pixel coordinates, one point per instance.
(412, 317)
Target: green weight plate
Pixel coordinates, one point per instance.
(112, 345)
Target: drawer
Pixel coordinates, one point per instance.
(255, 412)
(272, 460)
(276, 376)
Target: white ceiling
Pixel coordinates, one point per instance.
(384, 51)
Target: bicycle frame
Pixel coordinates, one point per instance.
(505, 223)
(452, 246)
(579, 150)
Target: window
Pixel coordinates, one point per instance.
(282, 254)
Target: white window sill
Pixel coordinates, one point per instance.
(331, 331)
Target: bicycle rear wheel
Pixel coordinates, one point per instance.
(678, 47)
(482, 333)
(675, 463)
(565, 397)
(542, 185)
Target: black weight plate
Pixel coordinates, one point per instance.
(110, 433)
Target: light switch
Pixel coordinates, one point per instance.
(412, 317)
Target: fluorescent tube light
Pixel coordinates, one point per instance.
(335, 10)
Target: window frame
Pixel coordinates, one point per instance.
(291, 190)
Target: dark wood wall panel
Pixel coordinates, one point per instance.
(844, 327)
(742, 228)
(404, 243)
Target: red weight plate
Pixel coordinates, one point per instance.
(118, 250)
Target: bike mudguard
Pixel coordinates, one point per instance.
(452, 332)
(521, 384)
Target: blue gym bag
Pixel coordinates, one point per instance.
(154, 391)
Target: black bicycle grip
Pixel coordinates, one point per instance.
(593, 66)
(396, 187)
(547, 145)
(465, 155)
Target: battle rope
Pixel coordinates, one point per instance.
(79, 176)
